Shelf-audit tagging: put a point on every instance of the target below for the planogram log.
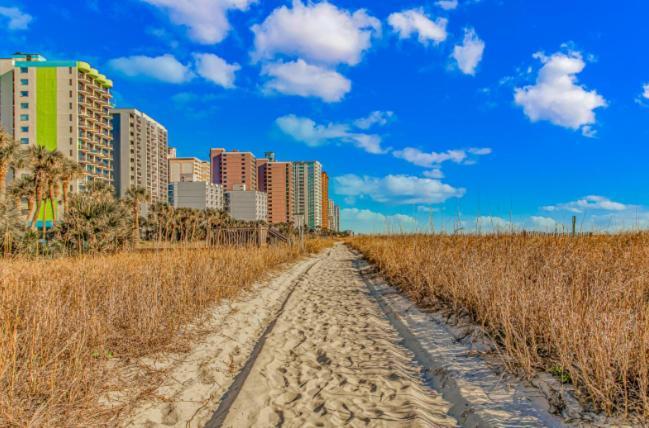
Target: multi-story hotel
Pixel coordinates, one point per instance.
(61, 105)
(140, 149)
(246, 205)
(334, 216)
(196, 194)
(233, 168)
(276, 180)
(325, 200)
(307, 179)
(187, 169)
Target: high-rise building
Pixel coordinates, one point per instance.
(325, 200)
(246, 205)
(60, 105)
(188, 169)
(334, 217)
(196, 194)
(307, 179)
(276, 180)
(140, 150)
(233, 168)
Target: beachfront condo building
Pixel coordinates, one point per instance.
(325, 200)
(140, 149)
(334, 216)
(276, 180)
(307, 185)
(199, 195)
(187, 169)
(233, 168)
(246, 205)
(61, 105)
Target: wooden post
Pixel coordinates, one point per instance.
(574, 225)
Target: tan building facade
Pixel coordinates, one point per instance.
(60, 105)
(233, 168)
(141, 150)
(307, 185)
(276, 180)
(188, 169)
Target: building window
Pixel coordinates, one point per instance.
(24, 141)
(23, 70)
(24, 105)
(24, 81)
(24, 129)
(24, 93)
(24, 117)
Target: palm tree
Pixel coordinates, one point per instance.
(135, 196)
(53, 182)
(10, 225)
(43, 162)
(10, 154)
(23, 188)
(70, 170)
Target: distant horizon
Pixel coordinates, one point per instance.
(499, 110)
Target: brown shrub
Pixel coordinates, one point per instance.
(574, 305)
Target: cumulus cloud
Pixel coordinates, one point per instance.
(435, 159)
(380, 118)
(307, 131)
(305, 80)
(645, 91)
(213, 68)
(434, 173)
(447, 4)
(207, 20)
(557, 97)
(318, 32)
(414, 21)
(18, 20)
(546, 224)
(165, 68)
(588, 203)
(494, 224)
(469, 54)
(396, 189)
(367, 221)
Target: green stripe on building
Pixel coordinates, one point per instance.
(46, 108)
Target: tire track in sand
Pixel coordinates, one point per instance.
(333, 359)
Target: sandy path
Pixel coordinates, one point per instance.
(334, 359)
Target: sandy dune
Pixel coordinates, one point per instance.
(325, 345)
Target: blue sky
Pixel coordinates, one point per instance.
(477, 113)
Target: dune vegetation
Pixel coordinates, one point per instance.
(577, 307)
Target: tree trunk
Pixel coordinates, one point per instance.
(4, 167)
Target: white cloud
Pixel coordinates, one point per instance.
(447, 4)
(409, 22)
(546, 224)
(318, 32)
(588, 203)
(645, 91)
(434, 173)
(494, 224)
(165, 68)
(216, 70)
(434, 159)
(367, 221)
(305, 80)
(380, 118)
(469, 54)
(18, 20)
(556, 96)
(207, 20)
(396, 189)
(309, 132)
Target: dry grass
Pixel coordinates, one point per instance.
(61, 320)
(574, 306)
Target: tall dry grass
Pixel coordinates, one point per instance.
(576, 306)
(61, 320)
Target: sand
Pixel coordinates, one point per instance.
(325, 345)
